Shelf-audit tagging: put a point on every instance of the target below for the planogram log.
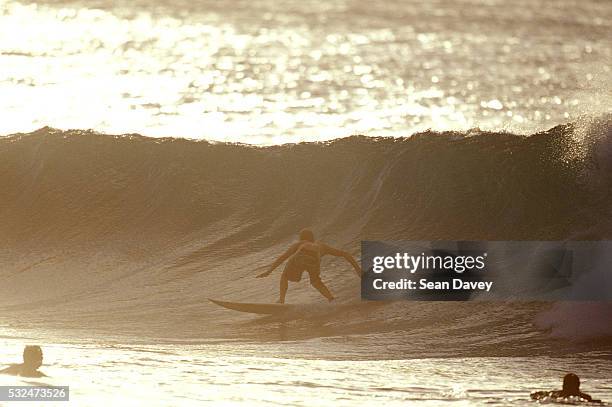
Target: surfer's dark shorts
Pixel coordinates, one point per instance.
(301, 263)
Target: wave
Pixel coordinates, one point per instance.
(147, 228)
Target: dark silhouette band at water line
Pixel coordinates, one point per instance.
(571, 388)
(305, 256)
(32, 360)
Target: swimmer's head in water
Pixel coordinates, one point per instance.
(32, 356)
(306, 234)
(571, 383)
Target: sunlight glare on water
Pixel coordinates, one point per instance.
(235, 375)
(263, 74)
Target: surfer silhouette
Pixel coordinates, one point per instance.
(305, 256)
(571, 388)
(32, 360)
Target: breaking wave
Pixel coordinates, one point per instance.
(133, 233)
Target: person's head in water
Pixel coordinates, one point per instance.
(32, 360)
(571, 388)
(306, 234)
(32, 357)
(571, 384)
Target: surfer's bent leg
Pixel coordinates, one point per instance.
(293, 272)
(315, 281)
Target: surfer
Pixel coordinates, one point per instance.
(305, 255)
(571, 388)
(32, 360)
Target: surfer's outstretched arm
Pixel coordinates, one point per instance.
(292, 249)
(345, 255)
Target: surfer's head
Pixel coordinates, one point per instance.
(32, 357)
(571, 383)
(306, 234)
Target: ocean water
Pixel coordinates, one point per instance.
(112, 245)
(112, 241)
(238, 375)
(270, 72)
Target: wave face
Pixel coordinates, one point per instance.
(112, 231)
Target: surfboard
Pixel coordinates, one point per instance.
(254, 308)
